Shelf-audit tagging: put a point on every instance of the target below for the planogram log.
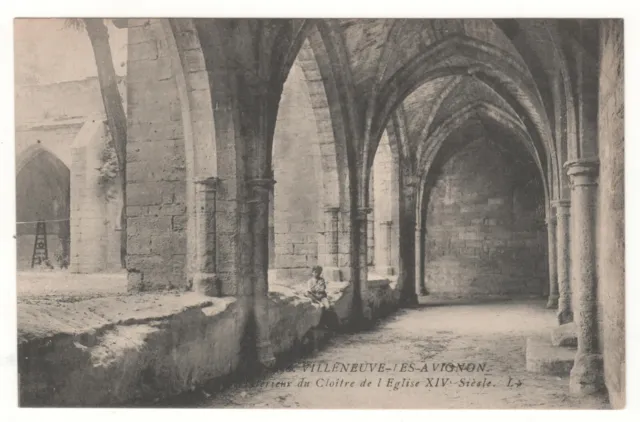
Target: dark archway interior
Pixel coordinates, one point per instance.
(485, 232)
(42, 194)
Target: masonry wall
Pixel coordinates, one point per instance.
(156, 177)
(610, 240)
(96, 204)
(298, 197)
(485, 226)
(43, 120)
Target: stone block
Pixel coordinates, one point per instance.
(144, 193)
(138, 245)
(305, 249)
(291, 261)
(168, 244)
(167, 209)
(146, 225)
(179, 222)
(284, 249)
(542, 357)
(565, 336)
(134, 211)
(147, 50)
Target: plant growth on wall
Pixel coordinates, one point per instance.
(108, 171)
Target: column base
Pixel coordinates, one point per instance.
(265, 355)
(424, 291)
(565, 336)
(332, 274)
(408, 301)
(565, 317)
(552, 302)
(587, 375)
(206, 284)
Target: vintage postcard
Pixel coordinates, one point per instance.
(320, 213)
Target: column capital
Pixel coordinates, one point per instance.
(332, 210)
(386, 223)
(410, 181)
(561, 203)
(260, 190)
(363, 212)
(583, 172)
(208, 182)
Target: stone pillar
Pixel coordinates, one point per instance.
(552, 302)
(421, 250)
(418, 252)
(587, 374)
(384, 264)
(407, 276)
(260, 190)
(565, 312)
(362, 219)
(331, 262)
(204, 276)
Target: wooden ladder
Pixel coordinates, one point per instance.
(40, 251)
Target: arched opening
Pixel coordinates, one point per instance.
(297, 207)
(42, 194)
(306, 209)
(485, 232)
(383, 199)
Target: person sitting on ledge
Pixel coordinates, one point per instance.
(317, 288)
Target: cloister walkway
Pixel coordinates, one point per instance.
(484, 343)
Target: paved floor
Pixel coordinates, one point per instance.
(447, 356)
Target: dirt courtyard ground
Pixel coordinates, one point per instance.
(434, 357)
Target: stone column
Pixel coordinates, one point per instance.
(362, 220)
(204, 277)
(407, 273)
(418, 252)
(422, 257)
(260, 190)
(565, 312)
(331, 263)
(552, 302)
(587, 374)
(384, 264)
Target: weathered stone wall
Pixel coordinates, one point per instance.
(156, 178)
(139, 348)
(96, 204)
(610, 234)
(44, 121)
(485, 227)
(298, 194)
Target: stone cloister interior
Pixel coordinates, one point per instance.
(415, 160)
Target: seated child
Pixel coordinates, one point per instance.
(317, 287)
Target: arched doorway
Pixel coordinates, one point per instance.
(42, 194)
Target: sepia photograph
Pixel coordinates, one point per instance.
(320, 213)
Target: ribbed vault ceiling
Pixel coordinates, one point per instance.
(377, 49)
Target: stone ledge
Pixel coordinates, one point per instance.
(44, 318)
(542, 357)
(111, 351)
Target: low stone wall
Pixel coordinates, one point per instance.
(117, 350)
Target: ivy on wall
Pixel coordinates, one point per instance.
(108, 171)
